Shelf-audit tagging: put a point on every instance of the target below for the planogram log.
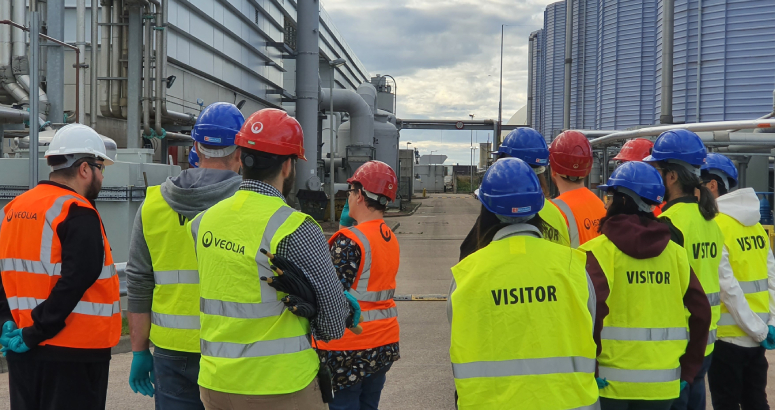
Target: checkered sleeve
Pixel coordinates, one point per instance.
(308, 249)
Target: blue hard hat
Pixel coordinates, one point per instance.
(638, 177)
(218, 124)
(725, 165)
(193, 158)
(526, 144)
(682, 145)
(511, 188)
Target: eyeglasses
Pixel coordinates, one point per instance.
(100, 167)
(608, 198)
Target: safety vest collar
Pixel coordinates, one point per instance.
(520, 229)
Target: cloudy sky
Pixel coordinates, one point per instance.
(445, 56)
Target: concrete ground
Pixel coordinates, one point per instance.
(422, 379)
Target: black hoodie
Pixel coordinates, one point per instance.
(643, 241)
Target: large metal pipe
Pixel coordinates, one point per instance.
(699, 59)
(18, 49)
(7, 78)
(696, 127)
(568, 61)
(147, 96)
(55, 61)
(93, 64)
(115, 56)
(80, 42)
(361, 116)
(668, 11)
(21, 59)
(105, 61)
(161, 76)
(134, 76)
(34, 102)
(307, 85)
(530, 50)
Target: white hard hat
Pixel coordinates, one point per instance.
(77, 141)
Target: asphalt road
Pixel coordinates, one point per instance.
(422, 379)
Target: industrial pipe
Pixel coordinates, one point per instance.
(80, 41)
(115, 56)
(361, 116)
(147, 97)
(104, 61)
(161, 76)
(695, 127)
(307, 87)
(666, 104)
(568, 61)
(531, 50)
(7, 78)
(93, 65)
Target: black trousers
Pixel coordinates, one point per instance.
(52, 385)
(614, 404)
(738, 377)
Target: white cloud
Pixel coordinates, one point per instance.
(445, 56)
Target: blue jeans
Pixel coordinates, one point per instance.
(693, 396)
(176, 380)
(362, 396)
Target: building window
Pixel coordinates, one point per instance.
(289, 34)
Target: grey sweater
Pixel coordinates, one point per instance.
(188, 194)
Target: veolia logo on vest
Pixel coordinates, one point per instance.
(208, 239)
(385, 232)
(20, 215)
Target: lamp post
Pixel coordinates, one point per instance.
(407, 144)
(496, 138)
(332, 204)
(472, 152)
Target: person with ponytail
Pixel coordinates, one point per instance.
(642, 282)
(678, 155)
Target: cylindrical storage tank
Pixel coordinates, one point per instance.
(626, 63)
(584, 65)
(386, 141)
(554, 66)
(737, 74)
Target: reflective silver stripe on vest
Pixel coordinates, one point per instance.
(175, 321)
(640, 376)
(258, 349)
(241, 310)
(97, 309)
(712, 336)
(595, 406)
(524, 367)
(754, 286)
(38, 267)
(23, 303)
(573, 229)
(714, 299)
(195, 227)
(728, 320)
(644, 334)
(268, 293)
(378, 314)
(175, 277)
(363, 282)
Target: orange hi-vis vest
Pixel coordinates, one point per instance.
(374, 287)
(583, 211)
(31, 261)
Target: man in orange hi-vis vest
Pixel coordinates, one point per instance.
(366, 260)
(59, 294)
(570, 156)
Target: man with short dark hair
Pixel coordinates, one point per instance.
(59, 285)
(255, 353)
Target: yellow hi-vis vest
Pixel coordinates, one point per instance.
(250, 344)
(555, 229)
(175, 309)
(522, 329)
(748, 247)
(645, 334)
(703, 242)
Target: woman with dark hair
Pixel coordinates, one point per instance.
(643, 281)
(678, 156)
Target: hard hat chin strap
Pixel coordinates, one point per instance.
(642, 205)
(514, 219)
(379, 198)
(539, 170)
(71, 160)
(215, 153)
(689, 167)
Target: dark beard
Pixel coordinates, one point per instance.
(288, 183)
(667, 193)
(93, 190)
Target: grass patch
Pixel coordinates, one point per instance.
(124, 326)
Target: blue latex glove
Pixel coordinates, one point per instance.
(141, 375)
(355, 306)
(601, 383)
(769, 342)
(15, 343)
(684, 384)
(345, 219)
(5, 335)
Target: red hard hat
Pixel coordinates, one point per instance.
(570, 154)
(273, 131)
(635, 150)
(378, 178)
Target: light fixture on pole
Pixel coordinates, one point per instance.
(408, 143)
(472, 152)
(332, 204)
